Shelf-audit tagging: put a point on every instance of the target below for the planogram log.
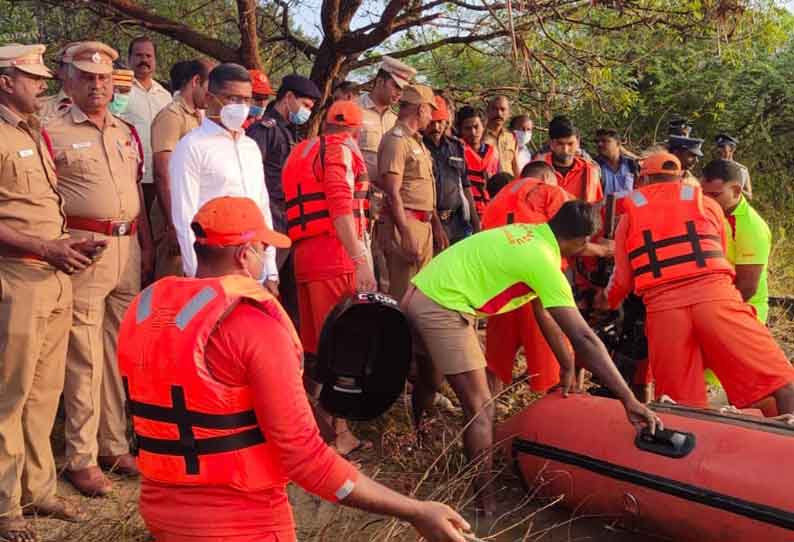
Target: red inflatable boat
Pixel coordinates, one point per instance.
(709, 477)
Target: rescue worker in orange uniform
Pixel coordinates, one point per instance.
(533, 199)
(482, 159)
(261, 93)
(578, 176)
(325, 187)
(670, 250)
(211, 366)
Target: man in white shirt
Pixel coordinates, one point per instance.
(218, 159)
(147, 98)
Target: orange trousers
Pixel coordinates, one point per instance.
(723, 336)
(316, 299)
(505, 334)
(265, 536)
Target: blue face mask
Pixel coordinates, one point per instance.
(119, 104)
(256, 111)
(301, 116)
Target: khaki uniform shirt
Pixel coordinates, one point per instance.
(505, 144)
(52, 106)
(403, 153)
(29, 200)
(373, 126)
(97, 169)
(172, 124)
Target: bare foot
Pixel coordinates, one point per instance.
(17, 530)
(346, 443)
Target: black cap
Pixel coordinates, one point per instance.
(679, 126)
(690, 144)
(561, 126)
(301, 86)
(725, 139)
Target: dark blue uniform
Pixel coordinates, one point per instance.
(449, 169)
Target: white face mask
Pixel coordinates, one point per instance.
(523, 137)
(233, 116)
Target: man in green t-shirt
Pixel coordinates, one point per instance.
(750, 240)
(492, 272)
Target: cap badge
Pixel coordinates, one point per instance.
(96, 58)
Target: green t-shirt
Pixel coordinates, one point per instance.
(497, 271)
(749, 243)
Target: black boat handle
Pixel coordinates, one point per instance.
(666, 442)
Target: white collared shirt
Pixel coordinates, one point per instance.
(209, 163)
(143, 107)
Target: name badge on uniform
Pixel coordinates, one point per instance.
(26, 153)
(454, 159)
(82, 145)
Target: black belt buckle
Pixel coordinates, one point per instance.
(120, 229)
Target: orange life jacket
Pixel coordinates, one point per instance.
(589, 192)
(190, 429)
(669, 236)
(479, 169)
(306, 204)
(509, 205)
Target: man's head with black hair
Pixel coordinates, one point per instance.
(608, 143)
(470, 126)
(497, 182)
(142, 57)
(498, 112)
(345, 91)
(521, 122)
(563, 140)
(723, 181)
(573, 224)
(540, 170)
(228, 83)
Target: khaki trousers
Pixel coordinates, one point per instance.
(35, 317)
(93, 393)
(401, 270)
(167, 260)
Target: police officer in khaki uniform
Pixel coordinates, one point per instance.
(377, 118)
(98, 158)
(405, 174)
(497, 134)
(59, 102)
(35, 298)
(170, 125)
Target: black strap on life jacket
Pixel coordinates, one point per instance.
(692, 238)
(188, 446)
(511, 217)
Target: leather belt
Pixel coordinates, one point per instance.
(445, 215)
(8, 252)
(113, 228)
(421, 216)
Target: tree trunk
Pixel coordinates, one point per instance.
(325, 70)
(249, 40)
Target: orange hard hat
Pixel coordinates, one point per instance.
(231, 221)
(441, 112)
(344, 113)
(660, 163)
(260, 83)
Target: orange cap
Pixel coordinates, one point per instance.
(440, 112)
(661, 162)
(260, 83)
(231, 221)
(344, 113)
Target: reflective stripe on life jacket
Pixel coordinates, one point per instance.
(479, 169)
(189, 428)
(670, 237)
(306, 203)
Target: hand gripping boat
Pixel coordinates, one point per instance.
(708, 477)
